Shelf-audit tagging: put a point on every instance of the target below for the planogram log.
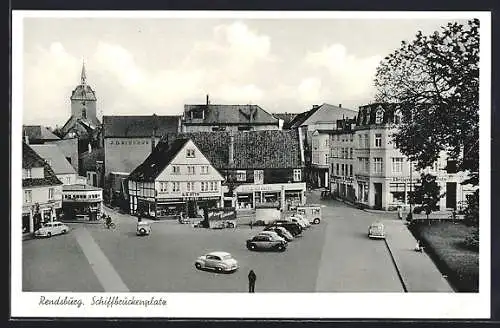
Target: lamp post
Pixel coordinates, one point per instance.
(411, 189)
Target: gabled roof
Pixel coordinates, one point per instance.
(334, 113)
(32, 160)
(286, 117)
(158, 160)
(38, 133)
(136, 126)
(54, 156)
(367, 113)
(266, 149)
(228, 114)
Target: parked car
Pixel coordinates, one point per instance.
(376, 230)
(294, 228)
(143, 228)
(271, 233)
(51, 229)
(266, 242)
(300, 220)
(282, 232)
(218, 261)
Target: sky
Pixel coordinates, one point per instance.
(141, 66)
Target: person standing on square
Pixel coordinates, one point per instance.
(252, 277)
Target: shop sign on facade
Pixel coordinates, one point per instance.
(404, 179)
(270, 187)
(190, 194)
(362, 178)
(222, 213)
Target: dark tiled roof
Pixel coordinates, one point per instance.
(156, 162)
(83, 92)
(368, 113)
(88, 161)
(139, 126)
(272, 149)
(286, 117)
(38, 132)
(229, 114)
(31, 160)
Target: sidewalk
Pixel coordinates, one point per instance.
(417, 270)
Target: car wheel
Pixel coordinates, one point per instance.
(316, 221)
(49, 235)
(252, 247)
(64, 231)
(281, 248)
(198, 266)
(218, 269)
(142, 231)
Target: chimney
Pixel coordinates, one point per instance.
(153, 135)
(231, 148)
(315, 106)
(208, 100)
(340, 105)
(26, 139)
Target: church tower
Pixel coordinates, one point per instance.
(83, 101)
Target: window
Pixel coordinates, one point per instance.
(379, 115)
(214, 185)
(68, 159)
(258, 176)
(241, 175)
(367, 141)
(451, 166)
(176, 169)
(68, 180)
(338, 169)
(190, 186)
(191, 170)
(190, 153)
(297, 175)
(378, 140)
(326, 158)
(326, 143)
(163, 186)
(27, 173)
(343, 170)
(397, 165)
(350, 153)
(204, 169)
(176, 187)
(51, 193)
(27, 196)
(377, 164)
(360, 141)
(204, 186)
(351, 138)
(364, 164)
(350, 170)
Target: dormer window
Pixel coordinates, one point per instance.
(379, 115)
(84, 112)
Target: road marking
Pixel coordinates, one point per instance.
(103, 269)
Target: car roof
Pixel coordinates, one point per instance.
(377, 224)
(220, 254)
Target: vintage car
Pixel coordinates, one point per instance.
(282, 232)
(143, 228)
(376, 230)
(218, 261)
(266, 242)
(51, 229)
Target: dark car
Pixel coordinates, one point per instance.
(266, 242)
(282, 232)
(294, 228)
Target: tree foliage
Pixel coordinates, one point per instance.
(434, 80)
(428, 193)
(472, 210)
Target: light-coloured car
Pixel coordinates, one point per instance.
(273, 234)
(303, 219)
(376, 230)
(143, 228)
(298, 220)
(218, 261)
(51, 229)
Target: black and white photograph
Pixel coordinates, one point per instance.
(251, 164)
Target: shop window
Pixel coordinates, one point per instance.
(28, 196)
(378, 140)
(258, 176)
(241, 175)
(51, 193)
(190, 153)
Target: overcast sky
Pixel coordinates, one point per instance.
(146, 66)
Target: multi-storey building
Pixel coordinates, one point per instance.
(176, 177)
(82, 202)
(320, 153)
(342, 162)
(259, 167)
(59, 164)
(384, 177)
(211, 117)
(42, 191)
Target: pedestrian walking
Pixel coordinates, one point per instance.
(251, 281)
(400, 213)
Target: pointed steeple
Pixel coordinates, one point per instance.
(84, 75)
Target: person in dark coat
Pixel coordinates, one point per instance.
(251, 281)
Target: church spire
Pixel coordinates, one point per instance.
(84, 75)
